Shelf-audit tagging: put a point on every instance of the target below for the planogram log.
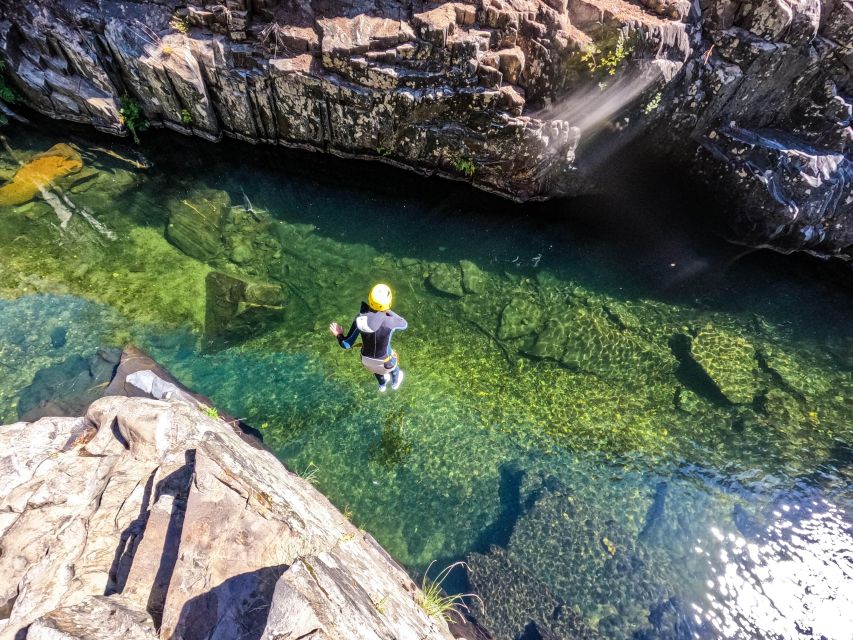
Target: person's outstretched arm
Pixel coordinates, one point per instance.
(345, 341)
(398, 323)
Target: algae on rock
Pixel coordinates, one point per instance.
(729, 360)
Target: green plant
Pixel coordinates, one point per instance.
(435, 602)
(7, 93)
(652, 104)
(179, 24)
(186, 116)
(210, 412)
(310, 473)
(465, 166)
(601, 62)
(131, 116)
(382, 151)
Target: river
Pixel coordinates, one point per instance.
(626, 426)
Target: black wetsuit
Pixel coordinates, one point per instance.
(376, 329)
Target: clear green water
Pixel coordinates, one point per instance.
(549, 440)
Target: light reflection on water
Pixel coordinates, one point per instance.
(791, 579)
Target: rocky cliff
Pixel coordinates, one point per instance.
(153, 518)
(514, 95)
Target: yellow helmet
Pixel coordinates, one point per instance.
(380, 297)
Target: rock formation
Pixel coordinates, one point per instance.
(499, 92)
(149, 518)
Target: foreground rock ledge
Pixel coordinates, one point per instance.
(149, 519)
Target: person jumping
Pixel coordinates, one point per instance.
(376, 323)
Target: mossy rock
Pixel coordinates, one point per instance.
(446, 279)
(729, 360)
(781, 407)
(519, 601)
(521, 317)
(809, 382)
(551, 341)
(195, 223)
(237, 306)
(690, 402)
(599, 343)
(473, 279)
(585, 557)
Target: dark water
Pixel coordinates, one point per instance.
(626, 425)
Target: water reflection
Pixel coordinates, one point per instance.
(791, 577)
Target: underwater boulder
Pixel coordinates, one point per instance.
(519, 602)
(40, 172)
(519, 318)
(473, 279)
(195, 223)
(729, 361)
(446, 279)
(551, 341)
(67, 388)
(809, 382)
(239, 307)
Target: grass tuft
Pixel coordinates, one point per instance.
(435, 602)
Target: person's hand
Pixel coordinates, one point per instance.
(336, 329)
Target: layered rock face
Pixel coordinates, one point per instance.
(149, 518)
(498, 92)
(770, 101)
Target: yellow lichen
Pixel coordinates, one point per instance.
(45, 168)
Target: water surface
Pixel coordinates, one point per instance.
(628, 428)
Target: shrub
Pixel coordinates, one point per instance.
(186, 116)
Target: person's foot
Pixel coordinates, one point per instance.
(396, 384)
(383, 386)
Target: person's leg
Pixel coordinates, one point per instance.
(396, 377)
(381, 379)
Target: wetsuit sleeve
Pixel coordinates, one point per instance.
(347, 342)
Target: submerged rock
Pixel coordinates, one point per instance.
(239, 306)
(195, 223)
(150, 519)
(446, 279)
(473, 279)
(67, 388)
(730, 362)
(39, 173)
(519, 318)
(564, 556)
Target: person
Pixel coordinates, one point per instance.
(376, 323)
